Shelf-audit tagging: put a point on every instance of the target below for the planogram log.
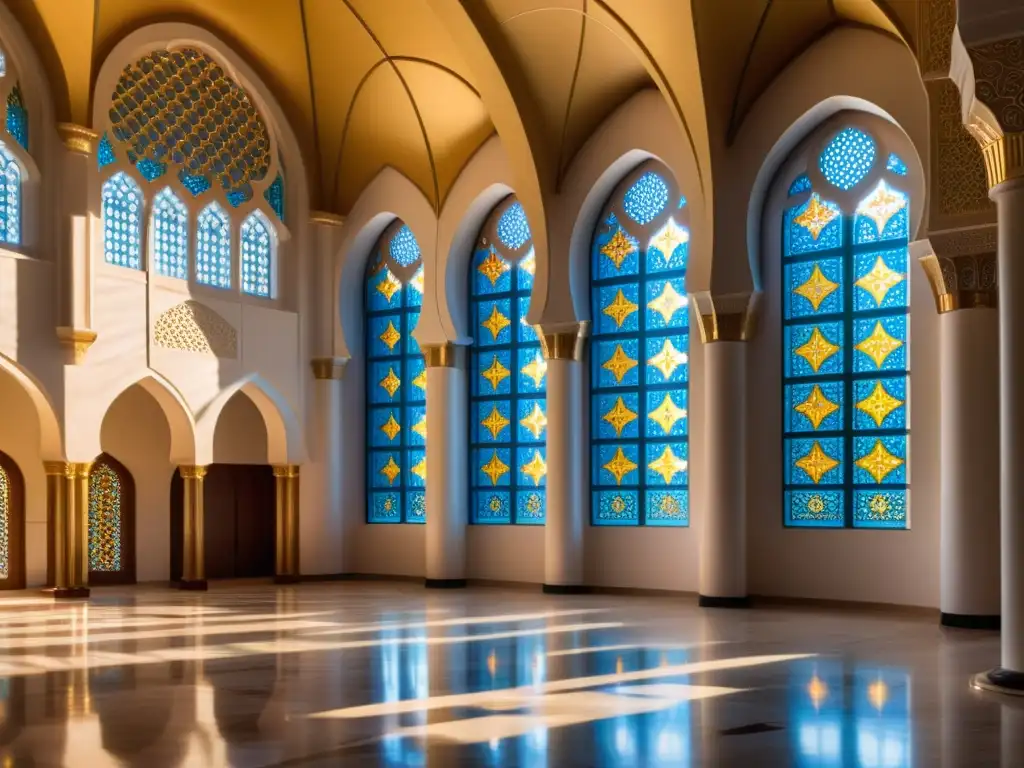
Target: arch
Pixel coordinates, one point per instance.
(122, 215)
(258, 262)
(168, 235)
(51, 444)
(12, 524)
(214, 247)
(111, 548)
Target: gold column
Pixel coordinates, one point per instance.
(67, 512)
(193, 554)
(963, 281)
(286, 569)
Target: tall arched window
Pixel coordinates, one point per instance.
(122, 221)
(845, 334)
(396, 381)
(213, 247)
(111, 523)
(257, 254)
(12, 525)
(508, 407)
(10, 197)
(169, 235)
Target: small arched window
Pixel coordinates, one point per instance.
(111, 523)
(169, 233)
(257, 255)
(122, 221)
(10, 197)
(213, 247)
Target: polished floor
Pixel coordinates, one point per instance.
(389, 674)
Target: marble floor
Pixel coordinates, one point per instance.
(390, 674)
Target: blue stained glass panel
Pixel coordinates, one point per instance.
(821, 402)
(384, 292)
(513, 228)
(816, 225)
(617, 362)
(616, 252)
(237, 197)
(880, 460)
(411, 345)
(416, 418)
(415, 460)
(813, 283)
(665, 362)
(896, 165)
(847, 158)
(531, 507)
(668, 508)
(527, 269)
(403, 247)
(257, 243)
(17, 117)
(619, 507)
(492, 373)
(814, 461)
(385, 507)
(880, 274)
(531, 466)
(666, 305)
(800, 184)
(384, 424)
(151, 170)
(531, 421)
(666, 463)
(880, 344)
(813, 349)
(122, 221)
(492, 507)
(618, 416)
(169, 222)
(10, 198)
(490, 273)
(105, 152)
(880, 509)
(524, 330)
(494, 467)
(494, 322)
(619, 309)
(618, 465)
(815, 509)
(532, 369)
(666, 408)
(384, 334)
(669, 249)
(213, 247)
(194, 184)
(646, 198)
(417, 507)
(880, 403)
(386, 468)
(274, 195)
(493, 422)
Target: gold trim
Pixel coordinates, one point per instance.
(286, 470)
(947, 291)
(286, 546)
(1004, 159)
(192, 471)
(445, 355)
(727, 318)
(78, 138)
(326, 218)
(566, 343)
(76, 342)
(328, 367)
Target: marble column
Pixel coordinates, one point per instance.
(965, 297)
(286, 542)
(726, 323)
(563, 529)
(447, 497)
(67, 512)
(327, 476)
(193, 554)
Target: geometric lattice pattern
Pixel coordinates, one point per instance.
(508, 375)
(396, 382)
(169, 235)
(10, 198)
(5, 524)
(122, 221)
(17, 117)
(105, 518)
(194, 327)
(257, 255)
(845, 356)
(639, 363)
(213, 247)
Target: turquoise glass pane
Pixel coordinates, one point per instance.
(385, 507)
(618, 507)
(531, 421)
(817, 461)
(816, 225)
(815, 509)
(883, 460)
(169, 235)
(274, 195)
(616, 362)
(847, 158)
(105, 152)
(669, 249)
(880, 403)
(881, 508)
(380, 295)
(151, 170)
(666, 305)
(403, 247)
(493, 322)
(237, 197)
(813, 284)
(813, 349)
(800, 184)
(491, 507)
(213, 247)
(666, 361)
(668, 508)
(880, 344)
(611, 469)
(493, 422)
(194, 184)
(882, 215)
(380, 473)
(531, 507)
(413, 292)
(257, 244)
(384, 381)
(525, 272)
(880, 275)
(416, 419)
(619, 308)
(896, 165)
(414, 458)
(490, 273)
(10, 198)
(491, 373)
(417, 506)
(618, 415)
(615, 252)
(384, 425)
(384, 335)
(524, 330)
(666, 408)
(412, 346)
(527, 458)
(122, 221)
(513, 228)
(807, 405)
(667, 464)
(493, 467)
(646, 198)
(17, 119)
(531, 370)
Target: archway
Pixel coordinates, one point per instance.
(12, 525)
(111, 523)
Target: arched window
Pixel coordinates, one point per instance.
(111, 523)
(122, 221)
(257, 254)
(12, 525)
(845, 334)
(396, 381)
(10, 197)
(213, 247)
(508, 407)
(639, 359)
(169, 233)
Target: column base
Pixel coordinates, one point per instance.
(193, 585)
(444, 583)
(67, 593)
(707, 601)
(970, 621)
(565, 589)
(287, 578)
(1000, 680)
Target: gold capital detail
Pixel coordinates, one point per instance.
(391, 427)
(667, 303)
(535, 422)
(668, 464)
(390, 336)
(879, 404)
(1004, 158)
(496, 323)
(495, 422)
(493, 267)
(391, 382)
(76, 342)
(879, 462)
(536, 369)
(817, 216)
(192, 471)
(817, 288)
(619, 364)
(328, 367)
(816, 407)
(496, 373)
(879, 345)
(879, 280)
(495, 468)
(389, 286)
(618, 248)
(535, 468)
(816, 350)
(78, 138)
(667, 414)
(619, 416)
(620, 309)
(390, 470)
(286, 470)
(445, 355)
(817, 463)
(620, 465)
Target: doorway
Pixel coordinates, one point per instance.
(12, 524)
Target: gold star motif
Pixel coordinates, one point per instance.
(421, 380)
(495, 468)
(619, 416)
(879, 462)
(391, 427)
(420, 428)
(417, 281)
(391, 336)
(496, 323)
(816, 407)
(535, 369)
(497, 373)
(667, 414)
(669, 238)
(817, 288)
(668, 359)
(879, 505)
(420, 470)
(535, 469)
(495, 422)
(817, 463)
(618, 505)
(668, 464)
(668, 506)
(878, 694)
(817, 690)
(620, 466)
(816, 350)
(535, 422)
(879, 345)
(667, 303)
(619, 364)
(618, 248)
(815, 505)
(816, 217)
(389, 286)
(391, 383)
(390, 470)
(620, 309)
(879, 280)
(879, 404)
(493, 267)
(882, 205)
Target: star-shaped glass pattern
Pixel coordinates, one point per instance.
(495, 468)
(391, 470)
(879, 345)
(816, 288)
(619, 364)
(817, 216)
(496, 373)
(535, 468)
(668, 465)
(618, 248)
(668, 359)
(881, 205)
(620, 465)
(879, 462)
(816, 463)
(496, 323)
(816, 407)
(879, 280)
(390, 336)
(388, 286)
(391, 428)
(879, 404)
(420, 469)
(667, 414)
(493, 267)
(669, 238)
(495, 422)
(420, 428)
(620, 309)
(420, 382)
(536, 369)
(391, 382)
(619, 416)
(535, 421)
(667, 303)
(816, 350)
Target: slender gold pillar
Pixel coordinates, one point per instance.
(193, 554)
(67, 512)
(286, 569)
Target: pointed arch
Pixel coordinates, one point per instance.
(12, 524)
(51, 443)
(168, 235)
(258, 243)
(111, 548)
(122, 221)
(213, 247)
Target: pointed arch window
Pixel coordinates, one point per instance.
(508, 376)
(396, 381)
(639, 356)
(122, 221)
(845, 332)
(213, 247)
(257, 242)
(111, 523)
(169, 233)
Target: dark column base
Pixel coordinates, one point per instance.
(192, 585)
(67, 593)
(565, 589)
(706, 601)
(1000, 680)
(287, 578)
(444, 583)
(970, 621)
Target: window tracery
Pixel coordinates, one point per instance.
(14, 145)
(105, 518)
(122, 221)
(5, 523)
(170, 235)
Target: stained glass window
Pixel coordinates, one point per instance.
(639, 358)
(17, 116)
(10, 197)
(257, 253)
(5, 524)
(105, 154)
(122, 221)
(274, 195)
(105, 518)
(396, 381)
(169, 233)
(508, 406)
(213, 247)
(845, 358)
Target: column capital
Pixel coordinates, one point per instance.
(329, 367)
(68, 469)
(728, 317)
(961, 282)
(563, 342)
(192, 471)
(78, 138)
(286, 470)
(76, 342)
(447, 355)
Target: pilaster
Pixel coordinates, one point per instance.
(193, 560)
(286, 543)
(67, 512)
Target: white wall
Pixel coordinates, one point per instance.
(240, 437)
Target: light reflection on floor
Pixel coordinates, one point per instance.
(379, 674)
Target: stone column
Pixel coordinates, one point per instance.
(67, 512)
(447, 494)
(726, 323)
(563, 530)
(327, 476)
(286, 543)
(193, 555)
(965, 297)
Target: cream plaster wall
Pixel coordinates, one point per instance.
(241, 436)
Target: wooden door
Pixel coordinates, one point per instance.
(111, 523)
(12, 525)
(255, 516)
